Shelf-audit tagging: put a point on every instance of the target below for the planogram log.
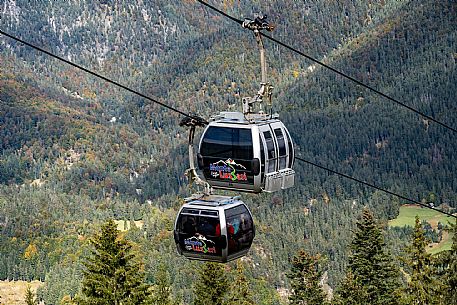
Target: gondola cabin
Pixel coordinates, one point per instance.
(237, 154)
(214, 228)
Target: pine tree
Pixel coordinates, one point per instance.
(450, 276)
(423, 287)
(212, 284)
(162, 290)
(371, 265)
(304, 278)
(30, 296)
(113, 274)
(240, 293)
(350, 292)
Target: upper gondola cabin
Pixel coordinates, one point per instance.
(250, 156)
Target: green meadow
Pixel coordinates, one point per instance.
(407, 217)
(408, 214)
(445, 244)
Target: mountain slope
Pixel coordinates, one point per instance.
(76, 150)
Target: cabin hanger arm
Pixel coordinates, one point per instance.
(191, 172)
(259, 23)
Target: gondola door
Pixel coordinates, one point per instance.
(270, 146)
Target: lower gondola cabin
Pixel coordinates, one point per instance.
(214, 228)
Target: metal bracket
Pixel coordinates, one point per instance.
(259, 23)
(191, 172)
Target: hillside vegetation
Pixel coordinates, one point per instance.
(76, 151)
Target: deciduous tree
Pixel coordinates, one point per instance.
(162, 289)
(450, 277)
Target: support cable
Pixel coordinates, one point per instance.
(204, 122)
(97, 75)
(374, 186)
(336, 71)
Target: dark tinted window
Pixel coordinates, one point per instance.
(240, 229)
(199, 234)
(240, 209)
(209, 213)
(270, 151)
(224, 142)
(281, 148)
(281, 142)
(190, 211)
(291, 150)
(262, 157)
(270, 144)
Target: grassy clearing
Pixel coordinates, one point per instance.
(125, 225)
(408, 214)
(445, 244)
(13, 292)
(407, 217)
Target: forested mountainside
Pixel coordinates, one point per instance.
(76, 150)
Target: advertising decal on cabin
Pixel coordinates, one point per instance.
(228, 170)
(200, 244)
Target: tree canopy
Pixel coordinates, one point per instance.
(114, 272)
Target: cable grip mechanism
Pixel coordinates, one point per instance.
(258, 24)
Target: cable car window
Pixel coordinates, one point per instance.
(281, 148)
(271, 151)
(209, 213)
(225, 142)
(198, 234)
(291, 150)
(190, 211)
(262, 157)
(270, 144)
(262, 151)
(240, 229)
